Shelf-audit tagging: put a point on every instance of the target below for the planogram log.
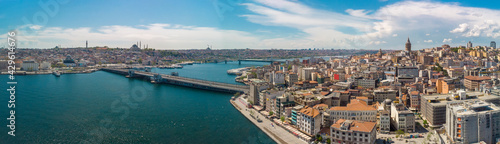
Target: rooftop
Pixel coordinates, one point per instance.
(355, 125)
(355, 105)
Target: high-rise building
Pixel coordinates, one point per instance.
(493, 44)
(408, 45)
(472, 122)
(86, 44)
(469, 44)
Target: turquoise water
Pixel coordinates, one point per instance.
(108, 108)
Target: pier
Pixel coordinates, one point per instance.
(181, 81)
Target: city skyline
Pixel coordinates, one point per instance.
(258, 24)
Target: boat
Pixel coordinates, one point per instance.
(57, 73)
(177, 66)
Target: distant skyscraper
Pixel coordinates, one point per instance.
(86, 44)
(493, 44)
(469, 44)
(408, 45)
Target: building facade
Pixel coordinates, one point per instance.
(472, 122)
(309, 120)
(353, 132)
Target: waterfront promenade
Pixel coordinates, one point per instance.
(277, 133)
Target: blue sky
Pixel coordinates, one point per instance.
(287, 24)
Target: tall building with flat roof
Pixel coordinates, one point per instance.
(493, 44)
(433, 107)
(472, 122)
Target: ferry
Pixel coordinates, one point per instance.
(56, 73)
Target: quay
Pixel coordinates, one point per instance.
(180, 81)
(276, 132)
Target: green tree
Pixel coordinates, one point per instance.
(319, 138)
(328, 141)
(237, 94)
(282, 119)
(425, 123)
(399, 132)
(271, 113)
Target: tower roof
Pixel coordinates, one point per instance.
(408, 41)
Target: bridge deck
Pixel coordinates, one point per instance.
(189, 82)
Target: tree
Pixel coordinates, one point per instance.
(237, 94)
(282, 119)
(251, 102)
(319, 138)
(328, 141)
(425, 123)
(399, 132)
(271, 113)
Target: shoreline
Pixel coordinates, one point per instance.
(274, 132)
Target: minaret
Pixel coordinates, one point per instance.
(86, 44)
(408, 45)
(140, 44)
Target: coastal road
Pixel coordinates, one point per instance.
(277, 133)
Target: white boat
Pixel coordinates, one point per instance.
(56, 73)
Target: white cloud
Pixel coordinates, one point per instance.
(447, 40)
(377, 42)
(410, 18)
(428, 41)
(356, 28)
(161, 36)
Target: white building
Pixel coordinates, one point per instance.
(356, 110)
(306, 74)
(292, 78)
(30, 66)
(472, 122)
(402, 118)
(278, 78)
(309, 120)
(385, 122)
(353, 132)
(45, 66)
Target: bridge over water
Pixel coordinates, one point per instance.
(181, 81)
(260, 60)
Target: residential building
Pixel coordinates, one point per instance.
(415, 100)
(353, 131)
(278, 78)
(291, 78)
(306, 74)
(380, 95)
(402, 118)
(309, 120)
(472, 82)
(472, 122)
(384, 121)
